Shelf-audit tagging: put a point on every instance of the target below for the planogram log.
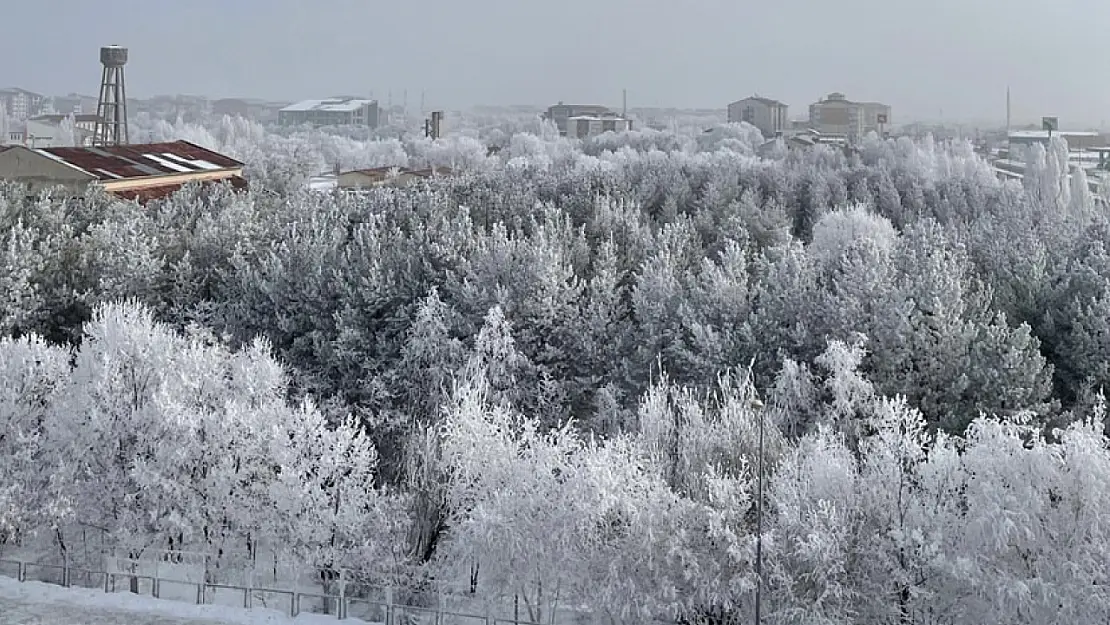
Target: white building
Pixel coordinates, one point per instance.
(331, 112)
(586, 126)
(769, 116)
(20, 103)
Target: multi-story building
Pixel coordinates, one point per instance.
(560, 113)
(837, 115)
(343, 111)
(586, 126)
(73, 103)
(20, 103)
(769, 116)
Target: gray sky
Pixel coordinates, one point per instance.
(920, 56)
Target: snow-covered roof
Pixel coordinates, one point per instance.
(597, 118)
(1043, 134)
(329, 105)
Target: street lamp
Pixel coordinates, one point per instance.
(757, 406)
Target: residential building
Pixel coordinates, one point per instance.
(387, 177)
(74, 103)
(837, 115)
(20, 103)
(560, 113)
(586, 126)
(341, 111)
(769, 116)
(140, 172)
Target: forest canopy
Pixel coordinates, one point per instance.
(555, 364)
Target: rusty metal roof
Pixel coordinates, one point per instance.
(119, 162)
(385, 172)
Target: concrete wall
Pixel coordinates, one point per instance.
(40, 172)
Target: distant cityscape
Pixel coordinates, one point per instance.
(67, 124)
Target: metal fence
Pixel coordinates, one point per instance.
(162, 579)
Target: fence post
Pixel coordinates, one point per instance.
(294, 604)
(342, 608)
(22, 571)
(65, 570)
(442, 607)
(248, 592)
(107, 575)
(156, 582)
(389, 605)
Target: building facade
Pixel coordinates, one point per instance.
(73, 103)
(20, 103)
(331, 112)
(769, 116)
(560, 113)
(586, 126)
(837, 115)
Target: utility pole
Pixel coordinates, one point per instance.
(758, 407)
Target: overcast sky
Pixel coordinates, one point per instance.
(920, 56)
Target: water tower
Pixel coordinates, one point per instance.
(111, 110)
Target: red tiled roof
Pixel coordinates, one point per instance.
(141, 160)
(157, 192)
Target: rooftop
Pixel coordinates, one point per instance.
(763, 100)
(17, 90)
(601, 117)
(142, 160)
(385, 172)
(57, 119)
(337, 105)
(1043, 134)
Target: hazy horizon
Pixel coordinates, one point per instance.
(944, 59)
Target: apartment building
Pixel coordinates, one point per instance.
(20, 103)
(340, 111)
(76, 103)
(560, 113)
(837, 115)
(766, 114)
(586, 126)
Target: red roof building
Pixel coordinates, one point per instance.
(141, 171)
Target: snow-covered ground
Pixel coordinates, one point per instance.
(36, 603)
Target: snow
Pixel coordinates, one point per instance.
(331, 105)
(47, 604)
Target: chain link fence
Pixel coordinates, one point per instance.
(343, 593)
